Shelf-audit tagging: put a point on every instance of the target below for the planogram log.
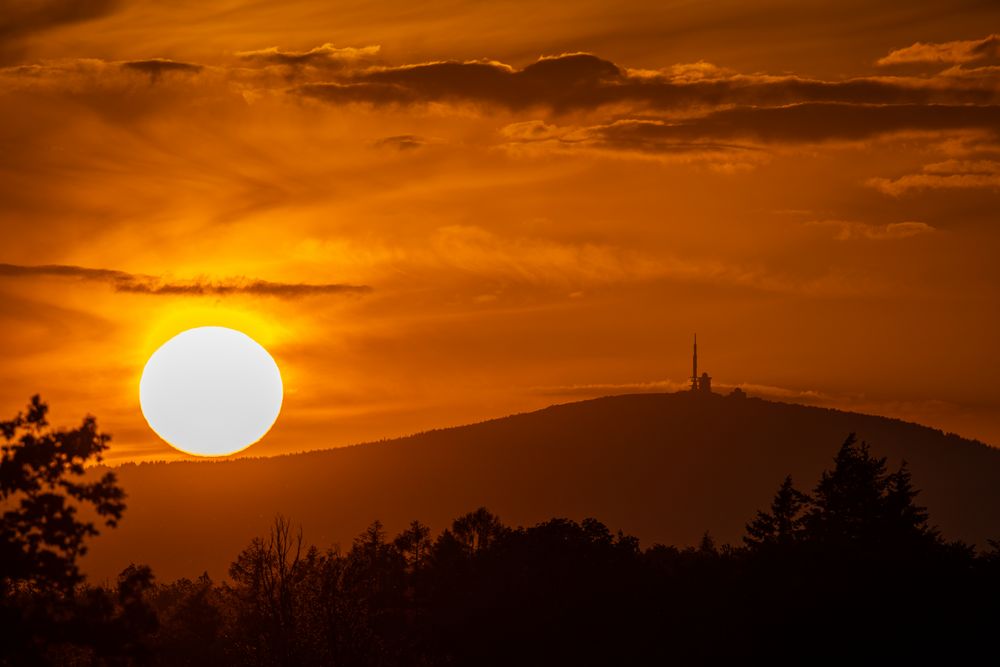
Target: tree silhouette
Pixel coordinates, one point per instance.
(137, 620)
(45, 486)
(477, 530)
(375, 563)
(43, 483)
(191, 622)
(852, 571)
(906, 522)
(859, 504)
(783, 524)
(264, 577)
(414, 543)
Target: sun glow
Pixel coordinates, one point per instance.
(211, 391)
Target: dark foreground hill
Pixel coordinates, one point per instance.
(664, 467)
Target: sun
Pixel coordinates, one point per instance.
(211, 391)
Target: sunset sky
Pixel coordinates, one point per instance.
(437, 213)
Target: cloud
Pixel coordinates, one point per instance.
(582, 81)
(237, 286)
(401, 142)
(745, 129)
(813, 122)
(961, 51)
(109, 88)
(846, 230)
(326, 55)
(946, 175)
(570, 266)
(122, 281)
(157, 67)
(698, 71)
(562, 84)
(963, 167)
(638, 139)
(531, 130)
(646, 135)
(561, 81)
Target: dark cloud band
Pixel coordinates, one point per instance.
(122, 281)
(584, 81)
(687, 108)
(157, 67)
(800, 123)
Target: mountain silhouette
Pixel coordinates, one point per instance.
(663, 467)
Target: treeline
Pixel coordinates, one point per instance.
(851, 570)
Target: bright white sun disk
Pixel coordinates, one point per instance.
(211, 391)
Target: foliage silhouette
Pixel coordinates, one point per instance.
(859, 503)
(41, 488)
(851, 571)
(783, 524)
(50, 505)
(414, 543)
(856, 505)
(264, 578)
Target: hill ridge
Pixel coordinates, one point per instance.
(664, 467)
(490, 420)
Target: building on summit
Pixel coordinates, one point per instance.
(703, 383)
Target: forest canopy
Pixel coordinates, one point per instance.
(851, 567)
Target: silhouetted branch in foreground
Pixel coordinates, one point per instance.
(45, 493)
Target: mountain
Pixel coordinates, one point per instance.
(663, 467)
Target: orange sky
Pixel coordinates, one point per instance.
(437, 214)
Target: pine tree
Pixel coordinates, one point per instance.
(859, 504)
(783, 524)
(848, 501)
(905, 521)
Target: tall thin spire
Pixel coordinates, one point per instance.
(694, 365)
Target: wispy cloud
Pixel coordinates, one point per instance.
(122, 281)
(946, 175)
(956, 52)
(741, 133)
(401, 142)
(847, 230)
(326, 55)
(480, 253)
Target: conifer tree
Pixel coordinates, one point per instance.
(783, 524)
(859, 504)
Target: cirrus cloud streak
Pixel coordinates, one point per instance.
(122, 281)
